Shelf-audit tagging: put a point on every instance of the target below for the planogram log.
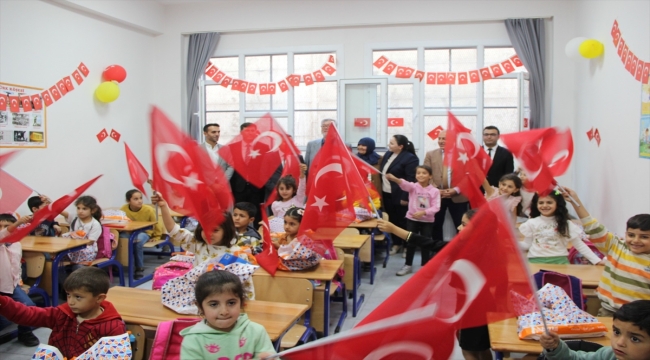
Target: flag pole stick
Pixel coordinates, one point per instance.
(571, 199)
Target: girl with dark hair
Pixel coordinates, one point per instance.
(508, 190)
(85, 225)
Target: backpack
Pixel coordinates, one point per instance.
(167, 342)
(576, 258)
(106, 242)
(570, 284)
(168, 271)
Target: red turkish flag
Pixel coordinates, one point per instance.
(433, 134)
(218, 76)
(293, 80)
(616, 33)
(404, 72)
(395, 122)
(507, 66)
(459, 288)
(68, 83)
(646, 73)
(47, 99)
(639, 70)
(621, 45)
(331, 59)
(361, 122)
(441, 78)
(263, 141)
(102, 135)
(389, 68)
(264, 89)
(268, 257)
(318, 76)
(49, 212)
(77, 77)
(14, 103)
(543, 153)
(516, 60)
(84, 70)
(226, 81)
(137, 172)
(431, 78)
(485, 74)
(329, 69)
(283, 85)
(3, 102)
(251, 88)
(628, 61)
(496, 70)
(55, 93)
(451, 78)
(115, 135)
(380, 62)
(597, 137)
(61, 86)
(36, 102)
(308, 79)
(635, 61)
(590, 134)
(474, 76)
(242, 86)
(185, 175)
(27, 104)
(468, 161)
(462, 78)
(272, 89)
(211, 70)
(626, 50)
(13, 193)
(4, 158)
(419, 75)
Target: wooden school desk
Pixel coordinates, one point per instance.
(144, 307)
(354, 242)
(589, 274)
(504, 339)
(53, 245)
(134, 227)
(325, 272)
(369, 225)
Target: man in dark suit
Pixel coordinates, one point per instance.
(502, 160)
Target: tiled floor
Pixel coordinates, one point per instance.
(385, 284)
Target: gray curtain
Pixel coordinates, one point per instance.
(199, 51)
(529, 40)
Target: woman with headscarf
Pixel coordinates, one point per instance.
(366, 152)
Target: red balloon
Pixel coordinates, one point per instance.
(114, 73)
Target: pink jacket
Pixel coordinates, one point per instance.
(427, 199)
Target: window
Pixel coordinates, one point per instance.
(299, 110)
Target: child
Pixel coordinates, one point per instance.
(509, 186)
(10, 272)
(243, 216)
(549, 231)
(292, 220)
(630, 337)
(135, 211)
(225, 332)
(626, 277)
(219, 243)
(289, 194)
(47, 227)
(80, 322)
(424, 203)
(85, 225)
(526, 192)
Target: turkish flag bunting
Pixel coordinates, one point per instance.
(621, 45)
(646, 73)
(431, 78)
(243, 86)
(83, 69)
(626, 50)
(329, 69)
(507, 66)
(597, 137)
(331, 59)
(14, 193)
(49, 212)
(26, 102)
(268, 257)
(226, 81)
(77, 77)
(218, 76)
(442, 78)
(461, 287)
(251, 88)
(293, 80)
(389, 68)
(185, 175)
(639, 70)
(468, 161)
(14, 103)
(496, 70)
(261, 140)
(5, 157)
(419, 74)
(628, 61)
(283, 85)
(211, 70)
(616, 33)
(115, 135)
(485, 74)
(433, 134)
(138, 173)
(380, 62)
(404, 72)
(543, 153)
(55, 93)
(474, 76)
(318, 76)
(635, 60)
(590, 134)
(272, 89)
(308, 79)
(36, 102)
(102, 135)
(61, 86)
(68, 83)
(47, 99)
(4, 99)
(462, 78)
(264, 89)
(451, 78)
(516, 60)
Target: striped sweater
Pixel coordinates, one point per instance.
(627, 275)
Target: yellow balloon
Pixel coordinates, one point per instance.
(108, 91)
(591, 48)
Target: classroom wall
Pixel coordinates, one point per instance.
(40, 43)
(607, 97)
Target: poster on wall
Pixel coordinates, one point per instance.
(644, 130)
(22, 117)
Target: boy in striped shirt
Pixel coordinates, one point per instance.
(626, 276)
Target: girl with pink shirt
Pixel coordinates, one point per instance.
(508, 190)
(424, 203)
(289, 193)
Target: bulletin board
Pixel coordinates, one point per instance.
(20, 128)
(644, 130)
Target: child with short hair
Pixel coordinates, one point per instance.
(225, 332)
(630, 337)
(243, 216)
(47, 227)
(549, 231)
(77, 324)
(136, 211)
(10, 272)
(289, 193)
(626, 277)
(424, 203)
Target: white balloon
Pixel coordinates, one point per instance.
(572, 48)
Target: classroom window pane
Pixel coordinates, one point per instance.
(307, 125)
(308, 63)
(406, 130)
(501, 92)
(279, 101)
(497, 55)
(320, 95)
(436, 96)
(463, 59)
(219, 98)
(431, 122)
(400, 57)
(258, 70)
(228, 122)
(506, 119)
(229, 65)
(400, 96)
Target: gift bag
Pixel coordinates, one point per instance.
(114, 217)
(363, 214)
(178, 293)
(296, 256)
(562, 316)
(47, 352)
(185, 256)
(109, 347)
(168, 271)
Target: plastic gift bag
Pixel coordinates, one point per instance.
(562, 316)
(109, 347)
(297, 256)
(168, 271)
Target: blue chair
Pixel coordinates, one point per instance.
(35, 266)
